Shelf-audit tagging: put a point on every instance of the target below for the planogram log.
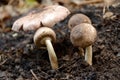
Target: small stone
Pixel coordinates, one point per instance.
(15, 35)
(118, 54)
(2, 74)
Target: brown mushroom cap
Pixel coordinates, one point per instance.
(43, 33)
(77, 19)
(83, 35)
(49, 16)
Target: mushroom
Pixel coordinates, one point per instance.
(84, 35)
(43, 37)
(77, 19)
(49, 16)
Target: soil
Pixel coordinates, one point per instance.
(20, 56)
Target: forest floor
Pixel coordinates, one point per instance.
(20, 56)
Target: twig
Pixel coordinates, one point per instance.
(3, 62)
(34, 74)
(88, 2)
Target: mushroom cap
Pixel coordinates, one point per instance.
(77, 19)
(83, 35)
(42, 34)
(49, 16)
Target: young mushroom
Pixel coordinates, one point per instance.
(49, 16)
(43, 37)
(77, 19)
(84, 35)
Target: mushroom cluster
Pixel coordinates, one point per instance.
(42, 22)
(82, 35)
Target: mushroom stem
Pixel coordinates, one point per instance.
(81, 51)
(105, 8)
(88, 54)
(52, 55)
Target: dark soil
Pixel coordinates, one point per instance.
(21, 56)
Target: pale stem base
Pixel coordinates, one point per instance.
(52, 55)
(88, 55)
